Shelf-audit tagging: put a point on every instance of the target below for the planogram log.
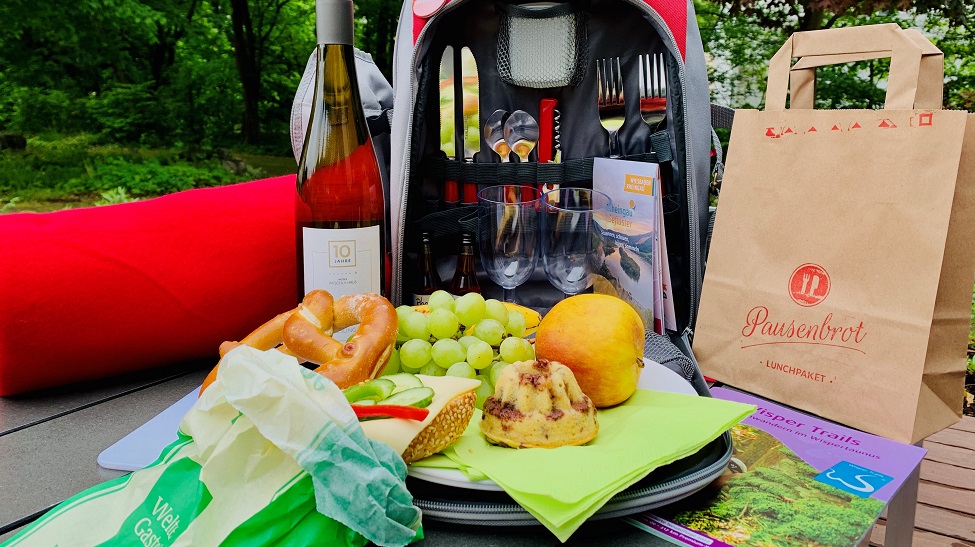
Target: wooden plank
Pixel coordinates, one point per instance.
(939, 495)
(945, 522)
(967, 423)
(954, 437)
(950, 475)
(921, 538)
(952, 455)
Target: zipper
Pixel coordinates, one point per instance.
(398, 272)
(693, 244)
(623, 502)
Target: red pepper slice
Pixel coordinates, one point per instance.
(390, 411)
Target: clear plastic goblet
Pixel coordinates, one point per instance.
(569, 248)
(507, 218)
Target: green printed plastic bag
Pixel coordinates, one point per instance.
(271, 454)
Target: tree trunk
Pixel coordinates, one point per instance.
(812, 18)
(248, 70)
(162, 54)
(384, 40)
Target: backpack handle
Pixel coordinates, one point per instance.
(908, 86)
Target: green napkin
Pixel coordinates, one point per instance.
(439, 461)
(562, 487)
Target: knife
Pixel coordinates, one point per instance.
(448, 122)
(472, 118)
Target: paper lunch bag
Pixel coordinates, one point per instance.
(841, 266)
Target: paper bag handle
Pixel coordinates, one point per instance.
(908, 86)
(802, 77)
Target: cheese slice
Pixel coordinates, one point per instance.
(398, 433)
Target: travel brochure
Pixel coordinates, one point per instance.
(793, 480)
(631, 244)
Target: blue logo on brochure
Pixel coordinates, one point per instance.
(854, 479)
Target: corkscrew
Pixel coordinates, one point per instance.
(550, 136)
(557, 135)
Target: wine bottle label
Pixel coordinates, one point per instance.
(344, 261)
(421, 299)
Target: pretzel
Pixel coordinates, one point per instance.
(308, 334)
(265, 337)
(305, 332)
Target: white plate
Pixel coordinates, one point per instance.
(654, 376)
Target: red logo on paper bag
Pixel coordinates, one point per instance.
(924, 119)
(809, 285)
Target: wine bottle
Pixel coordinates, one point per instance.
(465, 280)
(428, 280)
(342, 239)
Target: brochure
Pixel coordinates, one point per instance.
(793, 480)
(629, 265)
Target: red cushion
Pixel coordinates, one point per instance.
(89, 293)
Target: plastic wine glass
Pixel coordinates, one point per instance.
(507, 218)
(569, 246)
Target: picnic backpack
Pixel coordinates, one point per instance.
(525, 54)
(515, 49)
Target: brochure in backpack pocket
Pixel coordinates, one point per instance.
(629, 233)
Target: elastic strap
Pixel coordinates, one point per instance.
(566, 173)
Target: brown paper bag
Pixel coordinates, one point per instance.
(843, 256)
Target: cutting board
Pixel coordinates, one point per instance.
(142, 447)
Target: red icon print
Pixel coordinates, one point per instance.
(787, 131)
(856, 125)
(771, 133)
(811, 130)
(886, 123)
(836, 128)
(808, 285)
(925, 119)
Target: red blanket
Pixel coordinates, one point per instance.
(89, 293)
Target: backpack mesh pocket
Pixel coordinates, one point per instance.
(543, 45)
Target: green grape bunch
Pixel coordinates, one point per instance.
(466, 337)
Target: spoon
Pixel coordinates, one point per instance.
(521, 133)
(494, 134)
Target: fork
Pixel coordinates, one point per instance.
(653, 89)
(609, 99)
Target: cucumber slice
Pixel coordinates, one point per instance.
(403, 380)
(414, 396)
(375, 390)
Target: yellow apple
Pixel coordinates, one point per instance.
(600, 338)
